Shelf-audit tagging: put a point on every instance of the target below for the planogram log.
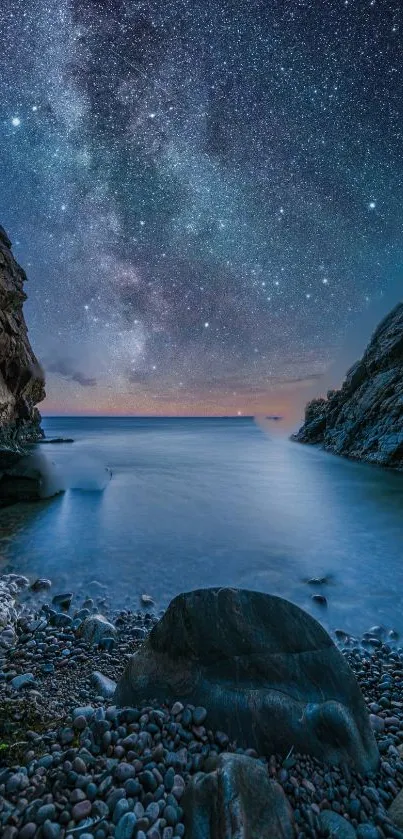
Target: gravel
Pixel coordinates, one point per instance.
(74, 765)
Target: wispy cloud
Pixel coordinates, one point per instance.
(65, 368)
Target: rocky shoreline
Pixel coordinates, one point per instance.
(22, 387)
(364, 419)
(75, 765)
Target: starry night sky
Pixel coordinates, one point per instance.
(207, 196)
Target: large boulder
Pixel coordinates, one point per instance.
(237, 799)
(268, 673)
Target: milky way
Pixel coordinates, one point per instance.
(204, 194)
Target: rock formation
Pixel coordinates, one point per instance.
(237, 799)
(269, 674)
(364, 420)
(21, 385)
(21, 378)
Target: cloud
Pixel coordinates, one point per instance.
(85, 381)
(65, 368)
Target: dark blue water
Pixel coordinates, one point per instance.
(213, 502)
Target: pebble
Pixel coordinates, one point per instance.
(23, 681)
(377, 723)
(41, 584)
(47, 811)
(337, 826)
(81, 810)
(106, 687)
(126, 826)
(199, 715)
(27, 831)
(367, 831)
(63, 600)
(320, 599)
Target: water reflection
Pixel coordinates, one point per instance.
(196, 503)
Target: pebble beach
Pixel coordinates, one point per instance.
(72, 764)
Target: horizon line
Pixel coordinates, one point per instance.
(150, 416)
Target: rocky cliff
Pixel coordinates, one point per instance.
(21, 378)
(21, 388)
(364, 419)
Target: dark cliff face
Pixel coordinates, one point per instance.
(21, 377)
(364, 420)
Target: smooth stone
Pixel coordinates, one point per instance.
(147, 600)
(377, 723)
(123, 772)
(81, 810)
(121, 807)
(367, 831)
(63, 600)
(237, 799)
(337, 826)
(51, 830)
(199, 715)
(319, 598)
(152, 812)
(63, 621)
(46, 761)
(132, 787)
(23, 681)
(77, 795)
(47, 811)
(106, 687)
(96, 627)
(269, 674)
(41, 584)
(27, 831)
(148, 781)
(86, 711)
(125, 826)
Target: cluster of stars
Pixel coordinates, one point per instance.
(202, 193)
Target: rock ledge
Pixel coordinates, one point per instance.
(364, 419)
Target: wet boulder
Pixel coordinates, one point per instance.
(237, 799)
(268, 673)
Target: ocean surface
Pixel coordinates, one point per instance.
(200, 502)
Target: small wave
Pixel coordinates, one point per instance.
(78, 472)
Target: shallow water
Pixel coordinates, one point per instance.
(201, 502)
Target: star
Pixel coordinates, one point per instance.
(169, 164)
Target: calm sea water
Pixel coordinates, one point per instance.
(201, 502)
